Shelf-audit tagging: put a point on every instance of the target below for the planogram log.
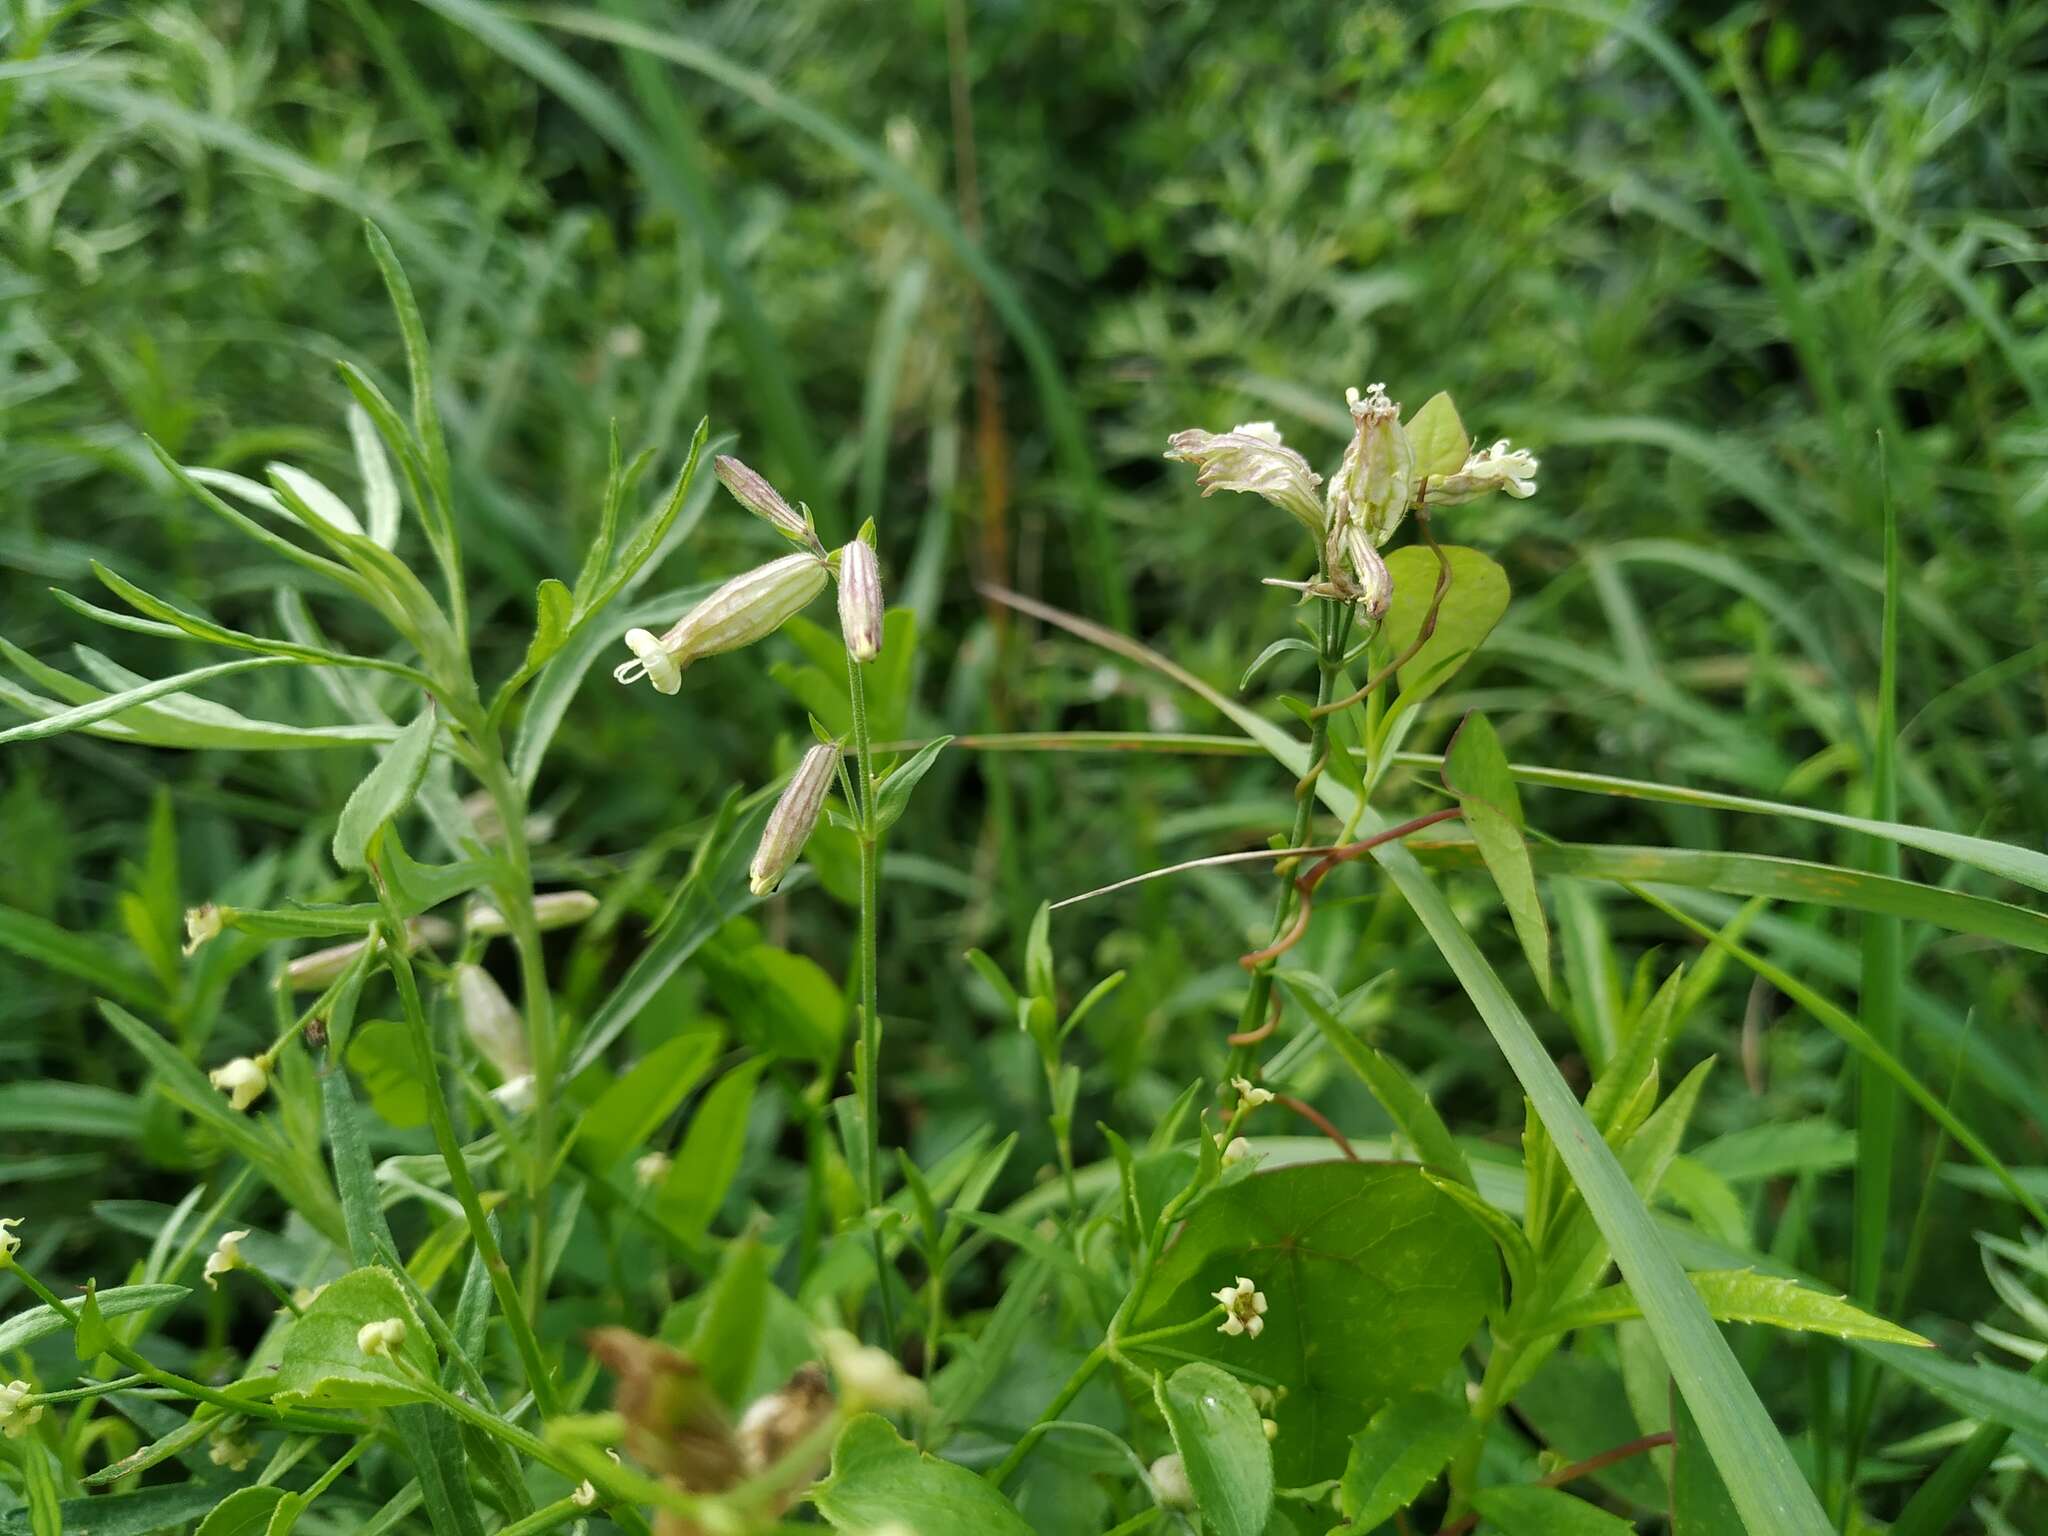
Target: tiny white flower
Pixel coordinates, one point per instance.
(9, 1243)
(382, 1338)
(1272, 1429)
(1236, 1152)
(201, 924)
(1253, 1098)
(1244, 1305)
(1170, 1485)
(226, 1256)
(551, 909)
(224, 1450)
(585, 1495)
(652, 1169)
(869, 1377)
(14, 1418)
(1251, 457)
(794, 818)
(1500, 468)
(243, 1080)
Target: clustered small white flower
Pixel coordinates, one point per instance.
(1244, 1309)
(226, 1256)
(1250, 1096)
(15, 1420)
(382, 1338)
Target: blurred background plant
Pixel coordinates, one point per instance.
(1737, 273)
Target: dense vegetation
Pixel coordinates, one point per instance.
(1593, 1133)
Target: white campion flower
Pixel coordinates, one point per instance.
(794, 818)
(243, 1080)
(750, 607)
(1170, 1485)
(551, 909)
(226, 1257)
(1251, 457)
(869, 1377)
(9, 1243)
(382, 1338)
(1499, 468)
(1250, 1096)
(860, 600)
(1374, 484)
(1244, 1306)
(15, 1420)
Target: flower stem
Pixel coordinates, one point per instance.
(1083, 1373)
(867, 1053)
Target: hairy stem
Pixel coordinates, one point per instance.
(867, 1054)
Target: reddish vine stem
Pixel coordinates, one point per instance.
(1316, 1118)
(1574, 1472)
(1422, 635)
(1306, 884)
(1254, 1036)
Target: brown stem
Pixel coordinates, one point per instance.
(1574, 1472)
(1254, 1036)
(1306, 884)
(1422, 635)
(1316, 1118)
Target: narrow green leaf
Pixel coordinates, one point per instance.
(728, 1334)
(245, 1512)
(385, 791)
(647, 1093)
(1526, 1510)
(1476, 771)
(1739, 1296)
(92, 1337)
(25, 1327)
(892, 795)
(710, 1155)
(114, 704)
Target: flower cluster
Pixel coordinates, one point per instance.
(1388, 468)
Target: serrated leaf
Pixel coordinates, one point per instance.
(1229, 1462)
(385, 791)
(879, 1479)
(1399, 1453)
(1438, 437)
(322, 1362)
(1476, 771)
(1740, 1296)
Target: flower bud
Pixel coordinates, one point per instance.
(227, 1450)
(383, 1338)
(226, 1256)
(860, 600)
(750, 607)
(795, 816)
(1251, 457)
(1500, 468)
(10, 1245)
(309, 973)
(1170, 1483)
(552, 909)
(754, 493)
(491, 1022)
(243, 1080)
(1376, 481)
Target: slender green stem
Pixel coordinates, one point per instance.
(459, 1179)
(1329, 661)
(1083, 1373)
(547, 1517)
(77, 1394)
(868, 1052)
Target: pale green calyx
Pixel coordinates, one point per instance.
(860, 600)
(1374, 484)
(1499, 468)
(1251, 457)
(794, 818)
(750, 607)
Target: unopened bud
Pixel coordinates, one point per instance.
(860, 600)
(750, 607)
(552, 909)
(1251, 457)
(754, 493)
(10, 1245)
(491, 1022)
(309, 973)
(1170, 1483)
(383, 1338)
(794, 818)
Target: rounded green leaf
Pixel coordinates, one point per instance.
(323, 1363)
(1477, 597)
(1375, 1280)
(878, 1479)
(1229, 1463)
